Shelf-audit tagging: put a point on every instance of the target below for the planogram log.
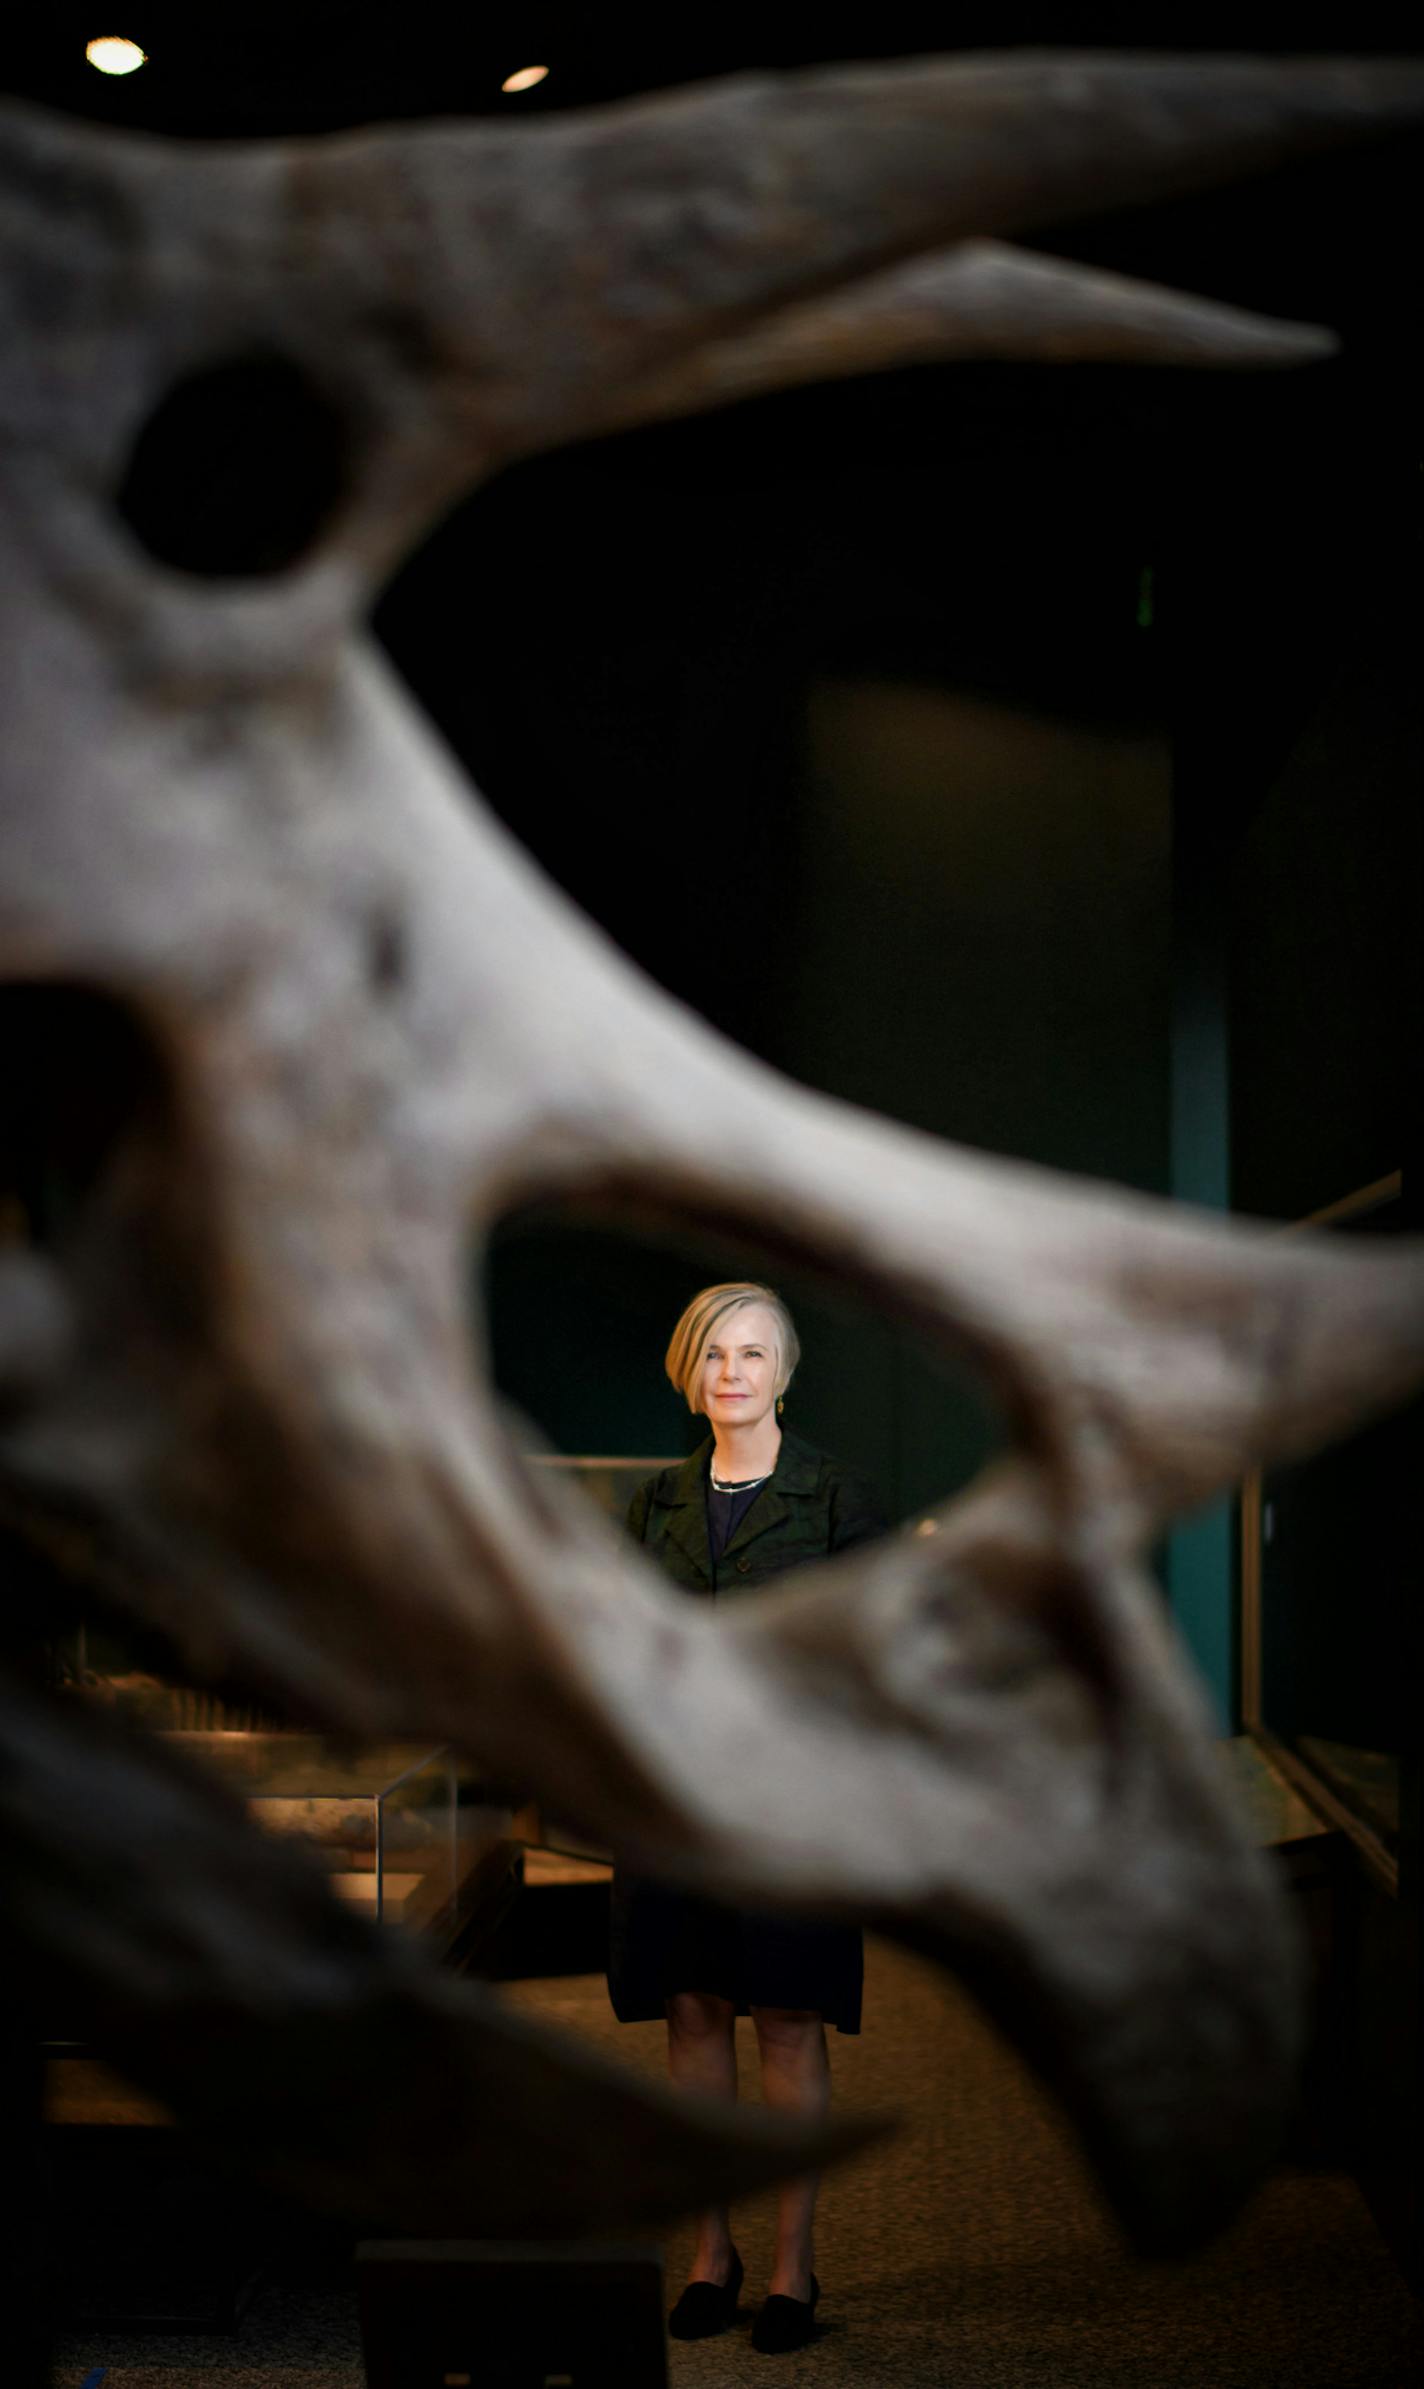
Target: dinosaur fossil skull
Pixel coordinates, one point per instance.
(337, 1022)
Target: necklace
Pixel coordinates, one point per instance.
(744, 1485)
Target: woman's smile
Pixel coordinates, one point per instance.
(741, 1366)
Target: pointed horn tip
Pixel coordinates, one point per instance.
(1298, 342)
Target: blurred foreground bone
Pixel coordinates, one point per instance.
(350, 1023)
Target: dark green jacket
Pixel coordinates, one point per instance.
(811, 1507)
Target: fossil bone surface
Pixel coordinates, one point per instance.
(350, 1023)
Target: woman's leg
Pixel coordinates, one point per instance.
(795, 2073)
(702, 2056)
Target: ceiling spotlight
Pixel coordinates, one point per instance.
(113, 56)
(525, 80)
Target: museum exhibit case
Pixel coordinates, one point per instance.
(149, 2233)
(396, 1825)
(1329, 1658)
(405, 1830)
(1326, 1559)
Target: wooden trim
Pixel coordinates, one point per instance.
(600, 1460)
(1317, 1794)
(1353, 1206)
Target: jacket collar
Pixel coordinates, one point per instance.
(796, 1472)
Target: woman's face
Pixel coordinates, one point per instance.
(740, 1366)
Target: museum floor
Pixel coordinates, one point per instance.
(965, 2252)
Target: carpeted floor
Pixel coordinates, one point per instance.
(968, 2251)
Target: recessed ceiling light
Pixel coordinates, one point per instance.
(114, 56)
(525, 79)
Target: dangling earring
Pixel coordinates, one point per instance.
(780, 1404)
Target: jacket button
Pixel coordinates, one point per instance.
(744, 1567)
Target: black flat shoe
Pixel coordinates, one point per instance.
(784, 2324)
(707, 2307)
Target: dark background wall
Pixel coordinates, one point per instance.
(890, 809)
(1323, 914)
(927, 737)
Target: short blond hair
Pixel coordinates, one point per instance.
(704, 1315)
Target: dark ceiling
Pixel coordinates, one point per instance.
(317, 65)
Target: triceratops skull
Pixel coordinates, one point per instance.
(350, 1024)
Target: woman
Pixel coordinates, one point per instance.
(752, 1500)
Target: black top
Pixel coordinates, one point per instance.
(809, 1507)
(663, 1939)
(726, 1510)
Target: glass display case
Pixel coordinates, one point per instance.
(407, 1830)
(399, 1826)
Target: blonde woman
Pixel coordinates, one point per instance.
(752, 1501)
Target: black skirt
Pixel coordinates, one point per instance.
(662, 1940)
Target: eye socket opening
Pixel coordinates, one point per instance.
(236, 470)
(96, 1185)
(86, 1086)
(574, 1302)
